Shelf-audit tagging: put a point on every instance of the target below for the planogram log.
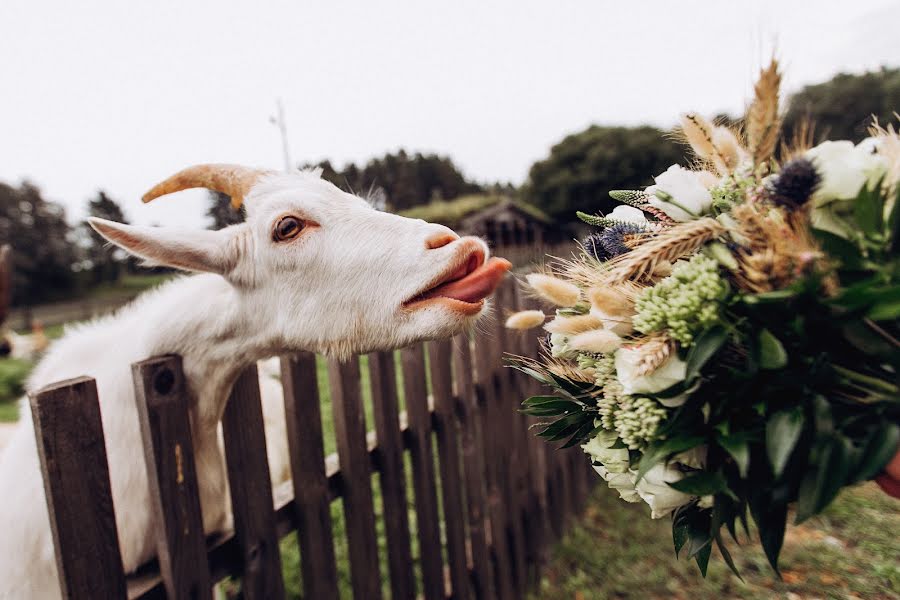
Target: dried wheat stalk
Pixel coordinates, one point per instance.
(654, 353)
(668, 245)
(763, 119)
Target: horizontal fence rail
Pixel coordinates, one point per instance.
(447, 496)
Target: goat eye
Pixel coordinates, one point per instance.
(287, 228)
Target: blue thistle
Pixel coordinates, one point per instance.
(613, 238)
(795, 184)
(594, 247)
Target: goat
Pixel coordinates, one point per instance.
(312, 268)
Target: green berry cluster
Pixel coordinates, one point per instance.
(685, 303)
(637, 420)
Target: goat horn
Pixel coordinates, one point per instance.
(233, 180)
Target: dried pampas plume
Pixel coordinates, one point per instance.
(763, 120)
(668, 245)
(610, 301)
(554, 290)
(602, 341)
(573, 325)
(526, 319)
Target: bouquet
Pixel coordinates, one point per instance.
(727, 343)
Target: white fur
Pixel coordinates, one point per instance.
(337, 289)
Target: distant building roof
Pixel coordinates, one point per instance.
(466, 212)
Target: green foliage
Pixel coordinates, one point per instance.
(583, 168)
(842, 108)
(43, 251)
(13, 373)
(406, 180)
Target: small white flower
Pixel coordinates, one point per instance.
(672, 371)
(844, 169)
(654, 489)
(680, 193)
(628, 214)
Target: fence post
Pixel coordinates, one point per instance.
(448, 451)
(72, 451)
(356, 474)
(419, 417)
(304, 427)
(393, 479)
(162, 406)
(251, 490)
(473, 467)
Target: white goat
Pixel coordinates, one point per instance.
(312, 268)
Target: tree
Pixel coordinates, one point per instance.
(842, 108)
(106, 263)
(406, 180)
(42, 245)
(583, 168)
(221, 211)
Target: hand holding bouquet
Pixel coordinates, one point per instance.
(727, 344)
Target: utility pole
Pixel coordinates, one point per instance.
(279, 121)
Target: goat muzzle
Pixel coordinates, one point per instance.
(233, 180)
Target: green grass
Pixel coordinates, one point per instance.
(128, 285)
(617, 551)
(12, 380)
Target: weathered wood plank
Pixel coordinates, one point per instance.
(311, 489)
(162, 403)
(508, 418)
(69, 435)
(446, 430)
(492, 423)
(251, 490)
(419, 420)
(392, 476)
(472, 448)
(359, 512)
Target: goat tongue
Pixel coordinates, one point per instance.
(477, 285)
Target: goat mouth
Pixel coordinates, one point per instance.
(465, 287)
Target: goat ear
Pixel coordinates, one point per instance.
(190, 250)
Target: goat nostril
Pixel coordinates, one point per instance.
(440, 240)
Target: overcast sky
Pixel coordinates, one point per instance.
(117, 95)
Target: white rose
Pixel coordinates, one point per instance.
(622, 482)
(628, 214)
(628, 359)
(844, 169)
(654, 489)
(680, 193)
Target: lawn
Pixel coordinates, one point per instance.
(616, 552)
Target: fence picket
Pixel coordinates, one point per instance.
(72, 453)
(392, 477)
(419, 418)
(356, 472)
(311, 494)
(448, 451)
(492, 424)
(162, 403)
(472, 448)
(251, 490)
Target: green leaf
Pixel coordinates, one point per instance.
(770, 516)
(703, 483)
(868, 211)
(822, 483)
(782, 432)
(679, 535)
(738, 448)
(878, 451)
(771, 352)
(702, 558)
(548, 406)
(885, 311)
(726, 555)
(704, 348)
(844, 250)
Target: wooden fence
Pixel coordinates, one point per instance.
(504, 495)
